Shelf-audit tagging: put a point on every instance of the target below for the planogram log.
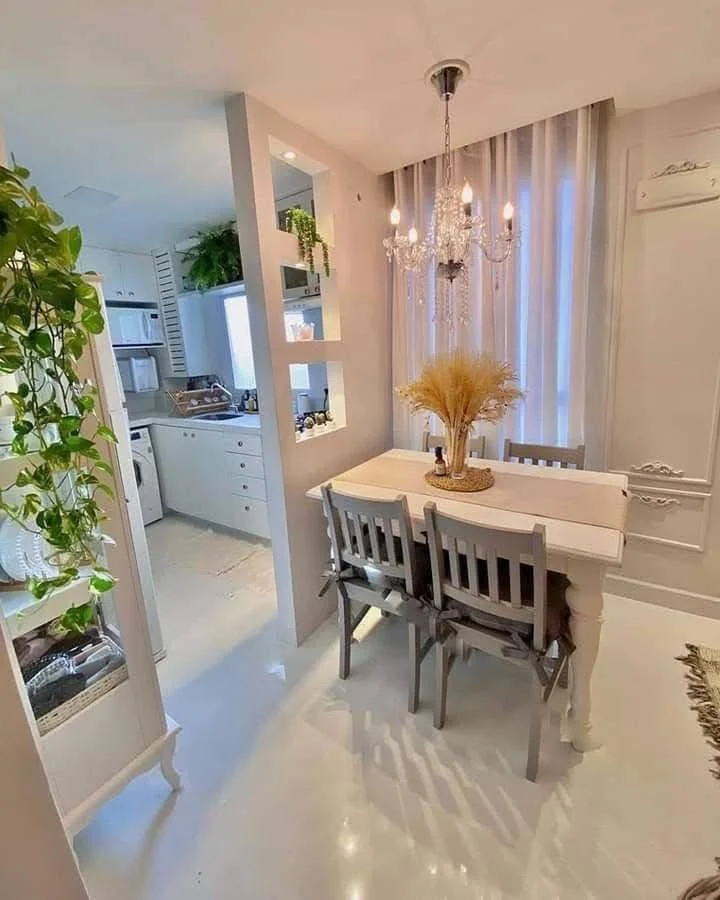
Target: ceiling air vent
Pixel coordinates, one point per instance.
(90, 198)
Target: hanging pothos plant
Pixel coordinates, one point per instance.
(47, 314)
(300, 222)
(215, 259)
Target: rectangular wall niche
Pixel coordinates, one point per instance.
(317, 388)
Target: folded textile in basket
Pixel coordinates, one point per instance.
(52, 695)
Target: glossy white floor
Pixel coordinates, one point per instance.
(302, 787)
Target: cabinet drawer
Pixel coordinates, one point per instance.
(243, 443)
(251, 516)
(674, 518)
(245, 466)
(248, 487)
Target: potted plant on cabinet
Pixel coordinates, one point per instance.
(215, 258)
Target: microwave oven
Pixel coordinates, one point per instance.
(133, 326)
(299, 283)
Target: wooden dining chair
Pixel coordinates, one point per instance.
(502, 607)
(377, 564)
(545, 453)
(476, 445)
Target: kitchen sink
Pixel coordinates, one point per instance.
(218, 416)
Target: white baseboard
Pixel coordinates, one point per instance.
(661, 595)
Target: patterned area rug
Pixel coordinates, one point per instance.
(703, 677)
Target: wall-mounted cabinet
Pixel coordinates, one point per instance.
(127, 277)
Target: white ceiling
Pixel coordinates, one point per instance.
(127, 97)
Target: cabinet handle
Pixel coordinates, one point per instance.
(131, 293)
(119, 293)
(244, 487)
(184, 433)
(193, 434)
(242, 465)
(247, 509)
(655, 501)
(240, 443)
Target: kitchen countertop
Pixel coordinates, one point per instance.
(246, 422)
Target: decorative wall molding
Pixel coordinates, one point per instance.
(657, 468)
(685, 165)
(662, 595)
(649, 500)
(670, 503)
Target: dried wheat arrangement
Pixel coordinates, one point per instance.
(461, 388)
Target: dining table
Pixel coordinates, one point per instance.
(584, 514)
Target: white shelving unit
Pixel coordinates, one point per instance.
(93, 754)
(349, 203)
(24, 613)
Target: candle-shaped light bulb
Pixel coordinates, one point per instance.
(466, 197)
(395, 216)
(508, 212)
(412, 235)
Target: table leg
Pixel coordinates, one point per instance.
(585, 599)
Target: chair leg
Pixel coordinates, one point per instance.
(415, 659)
(345, 626)
(442, 670)
(564, 680)
(536, 724)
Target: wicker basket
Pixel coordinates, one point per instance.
(72, 706)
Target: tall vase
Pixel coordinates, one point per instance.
(457, 443)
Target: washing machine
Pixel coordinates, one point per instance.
(146, 476)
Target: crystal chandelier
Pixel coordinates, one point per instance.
(454, 231)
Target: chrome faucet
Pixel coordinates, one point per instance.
(228, 394)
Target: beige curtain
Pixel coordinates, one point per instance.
(532, 312)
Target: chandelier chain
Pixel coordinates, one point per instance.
(447, 159)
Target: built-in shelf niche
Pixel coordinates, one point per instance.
(308, 382)
(312, 317)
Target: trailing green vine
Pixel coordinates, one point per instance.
(300, 222)
(47, 315)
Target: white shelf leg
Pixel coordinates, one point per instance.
(167, 765)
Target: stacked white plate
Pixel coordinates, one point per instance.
(23, 554)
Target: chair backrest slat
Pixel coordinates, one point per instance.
(374, 541)
(493, 581)
(389, 542)
(515, 591)
(454, 562)
(472, 563)
(357, 539)
(500, 548)
(545, 453)
(476, 445)
(346, 539)
(357, 530)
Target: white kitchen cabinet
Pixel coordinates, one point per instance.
(189, 464)
(173, 456)
(205, 473)
(127, 277)
(138, 274)
(106, 263)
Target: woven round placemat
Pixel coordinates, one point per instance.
(474, 480)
